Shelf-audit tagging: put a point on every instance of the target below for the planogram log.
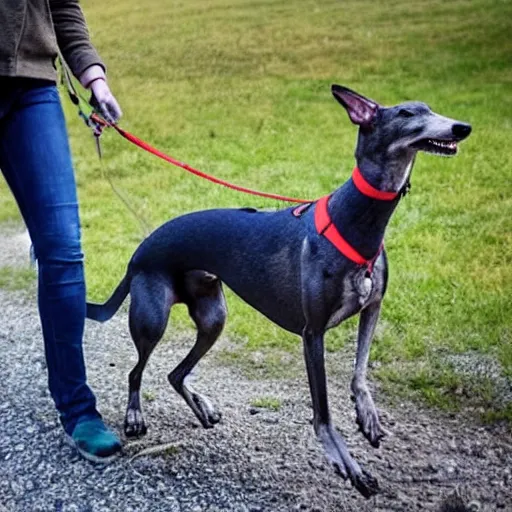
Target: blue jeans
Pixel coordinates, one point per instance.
(36, 162)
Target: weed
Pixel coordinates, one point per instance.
(267, 402)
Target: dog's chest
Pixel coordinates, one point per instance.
(357, 291)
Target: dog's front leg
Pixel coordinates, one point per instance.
(367, 417)
(334, 445)
(317, 295)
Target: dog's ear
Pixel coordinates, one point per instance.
(361, 110)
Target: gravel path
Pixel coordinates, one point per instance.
(254, 460)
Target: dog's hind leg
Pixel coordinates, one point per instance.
(152, 296)
(207, 307)
(367, 417)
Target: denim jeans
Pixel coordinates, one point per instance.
(36, 162)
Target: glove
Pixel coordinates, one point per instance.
(102, 99)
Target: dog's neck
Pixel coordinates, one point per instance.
(388, 173)
(360, 219)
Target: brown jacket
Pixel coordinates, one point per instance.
(31, 31)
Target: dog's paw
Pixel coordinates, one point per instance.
(338, 455)
(368, 420)
(205, 410)
(134, 425)
(372, 430)
(366, 484)
(201, 406)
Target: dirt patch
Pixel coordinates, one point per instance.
(262, 456)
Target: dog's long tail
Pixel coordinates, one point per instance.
(104, 312)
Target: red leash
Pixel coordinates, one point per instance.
(150, 149)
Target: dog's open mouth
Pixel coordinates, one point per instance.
(437, 146)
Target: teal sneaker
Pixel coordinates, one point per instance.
(95, 442)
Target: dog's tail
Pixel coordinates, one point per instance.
(104, 312)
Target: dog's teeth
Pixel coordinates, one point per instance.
(452, 146)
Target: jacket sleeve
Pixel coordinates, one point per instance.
(73, 36)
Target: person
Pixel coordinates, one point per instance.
(36, 162)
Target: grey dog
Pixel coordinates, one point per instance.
(307, 269)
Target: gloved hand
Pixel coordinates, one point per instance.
(102, 99)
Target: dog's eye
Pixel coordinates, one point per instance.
(405, 113)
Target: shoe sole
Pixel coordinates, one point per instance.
(89, 456)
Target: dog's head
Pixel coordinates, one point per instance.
(399, 132)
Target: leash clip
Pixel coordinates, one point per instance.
(405, 189)
(98, 145)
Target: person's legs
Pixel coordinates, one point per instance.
(36, 162)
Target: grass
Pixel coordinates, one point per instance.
(441, 386)
(149, 396)
(267, 402)
(241, 89)
(15, 279)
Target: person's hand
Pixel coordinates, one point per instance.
(94, 79)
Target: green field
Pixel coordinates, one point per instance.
(241, 89)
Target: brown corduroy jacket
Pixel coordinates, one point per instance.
(31, 31)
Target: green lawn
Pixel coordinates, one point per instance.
(241, 89)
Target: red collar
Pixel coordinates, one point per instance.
(368, 190)
(325, 226)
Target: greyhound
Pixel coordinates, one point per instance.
(307, 269)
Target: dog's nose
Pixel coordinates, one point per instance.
(461, 130)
